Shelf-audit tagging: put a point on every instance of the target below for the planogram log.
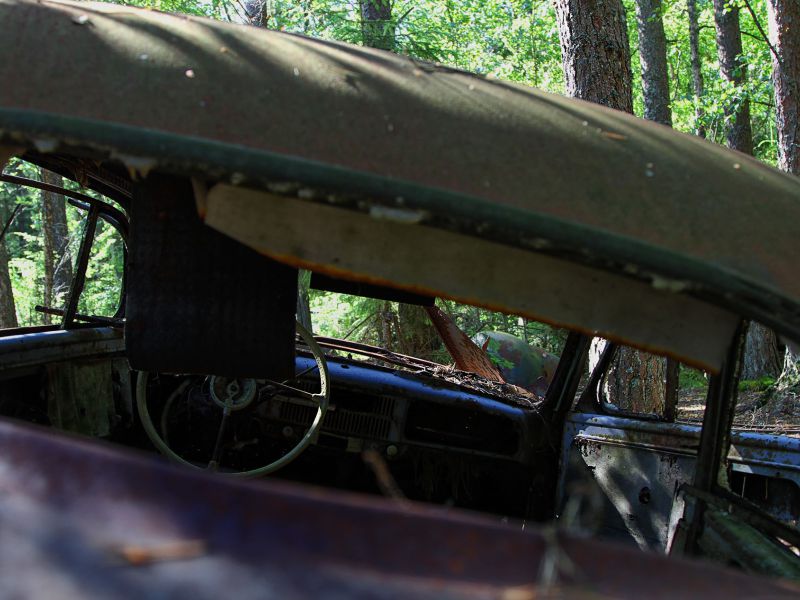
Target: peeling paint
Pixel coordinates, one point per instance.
(669, 285)
(397, 215)
(45, 144)
(283, 187)
(537, 243)
(200, 190)
(138, 166)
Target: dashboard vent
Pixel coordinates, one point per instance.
(354, 415)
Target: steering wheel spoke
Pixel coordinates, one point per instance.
(294, 390)
(213, 464)
(232, 395)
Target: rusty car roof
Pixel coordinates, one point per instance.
(478, 156)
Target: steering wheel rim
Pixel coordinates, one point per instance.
(323, 397)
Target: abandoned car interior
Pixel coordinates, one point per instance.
(415, 478)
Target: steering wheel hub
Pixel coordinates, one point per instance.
(232, 393)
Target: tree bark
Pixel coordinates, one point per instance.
(761, 353)
(653, 57)
(57, 261)
(636, 382)
(256, 12)
(729, 49)
(784, 33)
(597, 67)
(377, 28)
(761, 356)
(659, 376)
(303, 302)
(671, 389)
(387, 324)
(595, 51)
(697, 68)
(8, 309)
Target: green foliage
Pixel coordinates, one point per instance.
(25, 244)
(692, 379)
(366, 320)
(762, 384)
(718, 93)
(101, 294)
(199, 8)
(342, 315)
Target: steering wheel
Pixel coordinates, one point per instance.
(232, 394)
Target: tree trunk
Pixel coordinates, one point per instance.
(303, 302)
(636, 382)
(653, 56)
(595, 51)
(597, 67)
(8, 310)
(697, 68)
(784, 33)
(671, 389)
(377, 28)
(386, 323)
(761, 356)
(57, 261)
(761, 353)
(729, 49)
(790, 375)
(658, 396)
(255, 11)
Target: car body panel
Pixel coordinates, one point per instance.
(636, 467)
(102, 521)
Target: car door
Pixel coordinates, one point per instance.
(622, 465)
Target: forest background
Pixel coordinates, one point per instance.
(682, 70)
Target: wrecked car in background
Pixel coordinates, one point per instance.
(227, 158)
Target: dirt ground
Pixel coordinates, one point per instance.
(765, 411)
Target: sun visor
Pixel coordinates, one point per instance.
(397, 252)
(198, 302)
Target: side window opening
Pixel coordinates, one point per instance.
(692, 392)
(40, 248)
(631, 382)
